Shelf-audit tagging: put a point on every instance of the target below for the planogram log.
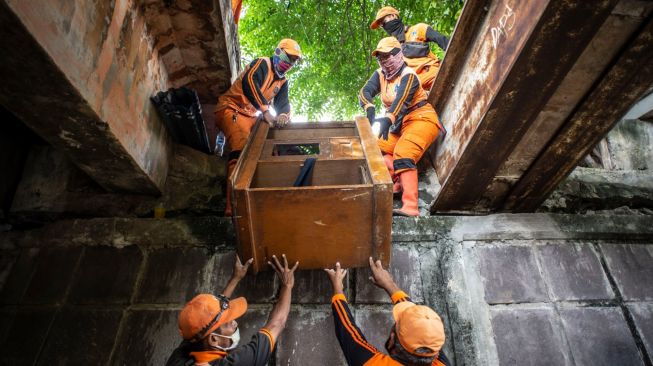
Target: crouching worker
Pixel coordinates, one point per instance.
(210, 331)
(410, 124)
(263, 84)
(415, 339)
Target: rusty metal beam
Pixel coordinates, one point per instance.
(464, 34)
(521, 54)
(628, 78)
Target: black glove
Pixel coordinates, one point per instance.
(385, 124)
(370, 114)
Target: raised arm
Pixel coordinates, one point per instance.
(279, 315)
(239, 272)
(354, 345)
(383, 279)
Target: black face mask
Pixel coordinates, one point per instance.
(395, 28)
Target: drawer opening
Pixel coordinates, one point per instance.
(296, 149)
(271, 174)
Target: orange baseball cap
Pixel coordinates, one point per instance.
(386, 45)
(199, 317)
(382, 13)
(418, 326)
(290, 47)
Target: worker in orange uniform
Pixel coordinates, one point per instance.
(208, 324)
(262, 85)
(236, 7)
(416, 338)
(415, 41)
(410, 124)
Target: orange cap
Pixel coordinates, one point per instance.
(386, 10)
(290, 47)
(198, 313)
(386, 45)
(418, 326)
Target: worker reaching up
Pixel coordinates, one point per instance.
(260, 86)
(415, 339)
(415, 43)
(208, 324)
(410, 124)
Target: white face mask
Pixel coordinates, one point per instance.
(235, 338)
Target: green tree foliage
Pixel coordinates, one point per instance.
(336, 40)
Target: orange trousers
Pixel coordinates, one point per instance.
(418, 131)
(235, 126)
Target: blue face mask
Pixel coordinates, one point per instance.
(282, 63)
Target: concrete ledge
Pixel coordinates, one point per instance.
(523, 226)
(208, 231)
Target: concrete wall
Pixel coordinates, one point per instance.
(105, 51)
(512, 289)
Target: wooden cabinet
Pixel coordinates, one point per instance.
(343, 215)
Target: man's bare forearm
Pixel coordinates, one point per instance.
(231, 287)
(279, 315)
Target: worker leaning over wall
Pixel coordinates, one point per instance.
(415, 43)
(261, 85)
(208, 324)
(416, 338)
(410, 124)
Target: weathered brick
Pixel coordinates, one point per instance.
(257, 288)
(175, 275)
(574, 272)
(528, 337)
(81, 336)
(26, 333)
(629, 264)
(643, 315)
(147, 337)
(106, 275)
(52, 275)
(510, 274)
(405, 271)
(599, 336)
(309, 339)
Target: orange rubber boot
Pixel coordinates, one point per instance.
(230, 169)
(408, 181)
(389, 163)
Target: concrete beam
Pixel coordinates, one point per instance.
(80, 75)
(514, 86)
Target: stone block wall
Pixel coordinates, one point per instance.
(529, 289)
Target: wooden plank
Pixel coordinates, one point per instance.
(320, 226)
(627, 80)
(312, 132)
(382, 201)
(325, 172)
(240, 181)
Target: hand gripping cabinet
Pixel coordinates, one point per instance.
(342, 213)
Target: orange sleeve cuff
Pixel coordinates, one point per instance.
(337, 297)
(398, 296)
(270, 337)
